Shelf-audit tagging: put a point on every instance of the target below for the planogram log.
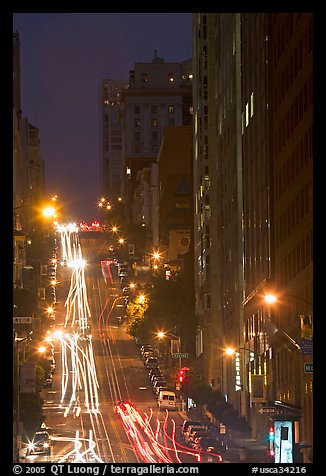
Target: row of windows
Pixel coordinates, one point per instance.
(113, 147)
(295, 262)
(138, 136)
(294, 164)
(154, 122)
(138, 148)
(154, 108)
(145, 77)
(294, 213)
(298, 109)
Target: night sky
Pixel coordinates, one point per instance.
(63, 58)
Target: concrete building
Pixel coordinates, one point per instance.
(159, 95)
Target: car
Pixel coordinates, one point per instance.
(204, 443)
(151, 362)
(159, 383)
(188, 423)
(47, 383)
(145, 348)
(40, 444)
(193, 437)
(191, 429)
(167, 400)
(159, 388)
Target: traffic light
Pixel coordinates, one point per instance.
(270, 442)
(181, 375)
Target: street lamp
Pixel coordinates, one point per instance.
(230, 351)
(163, 334)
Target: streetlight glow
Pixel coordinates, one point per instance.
(270, 298)
(48, 211)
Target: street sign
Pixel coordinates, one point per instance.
(180, 355)
(267, 410)
(308, 367)
(22, 320)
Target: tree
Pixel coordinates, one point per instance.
(171, 305)
(206, 396)
(136, 314)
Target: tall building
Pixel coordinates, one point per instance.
(111, 137)
(253, 212)
(218, 195)
(291, 59)
(28, 174)
(159, 95)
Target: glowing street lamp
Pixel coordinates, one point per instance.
(49, 212)
(163, 334)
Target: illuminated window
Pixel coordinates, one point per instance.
(154, 122)
(171, 109)
(137, 123)
(251, 104)
(144, 77)
(171, 78)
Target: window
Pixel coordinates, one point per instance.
(171, 109)
(170, 77)
(207, 302)
(153, 109)
(154, 122)
(137, 136)
(136, 109)
(144, 77)
(137, 123)
(154, 135)
(171, 121)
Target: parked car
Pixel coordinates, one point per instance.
(167, 400)
(151, 362)
(187, 423)
(197, 434)
(159, 389)
(204, 443)
(191, 430)
(159, 383)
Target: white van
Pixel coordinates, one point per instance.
(167, 400)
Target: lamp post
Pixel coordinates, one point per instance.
(241, 372)
(162, 334)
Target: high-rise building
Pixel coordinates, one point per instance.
(111, 137)
(291, 142)
(253, 211)
(159, 95)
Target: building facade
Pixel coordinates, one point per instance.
(253, 211)
(111, 138)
